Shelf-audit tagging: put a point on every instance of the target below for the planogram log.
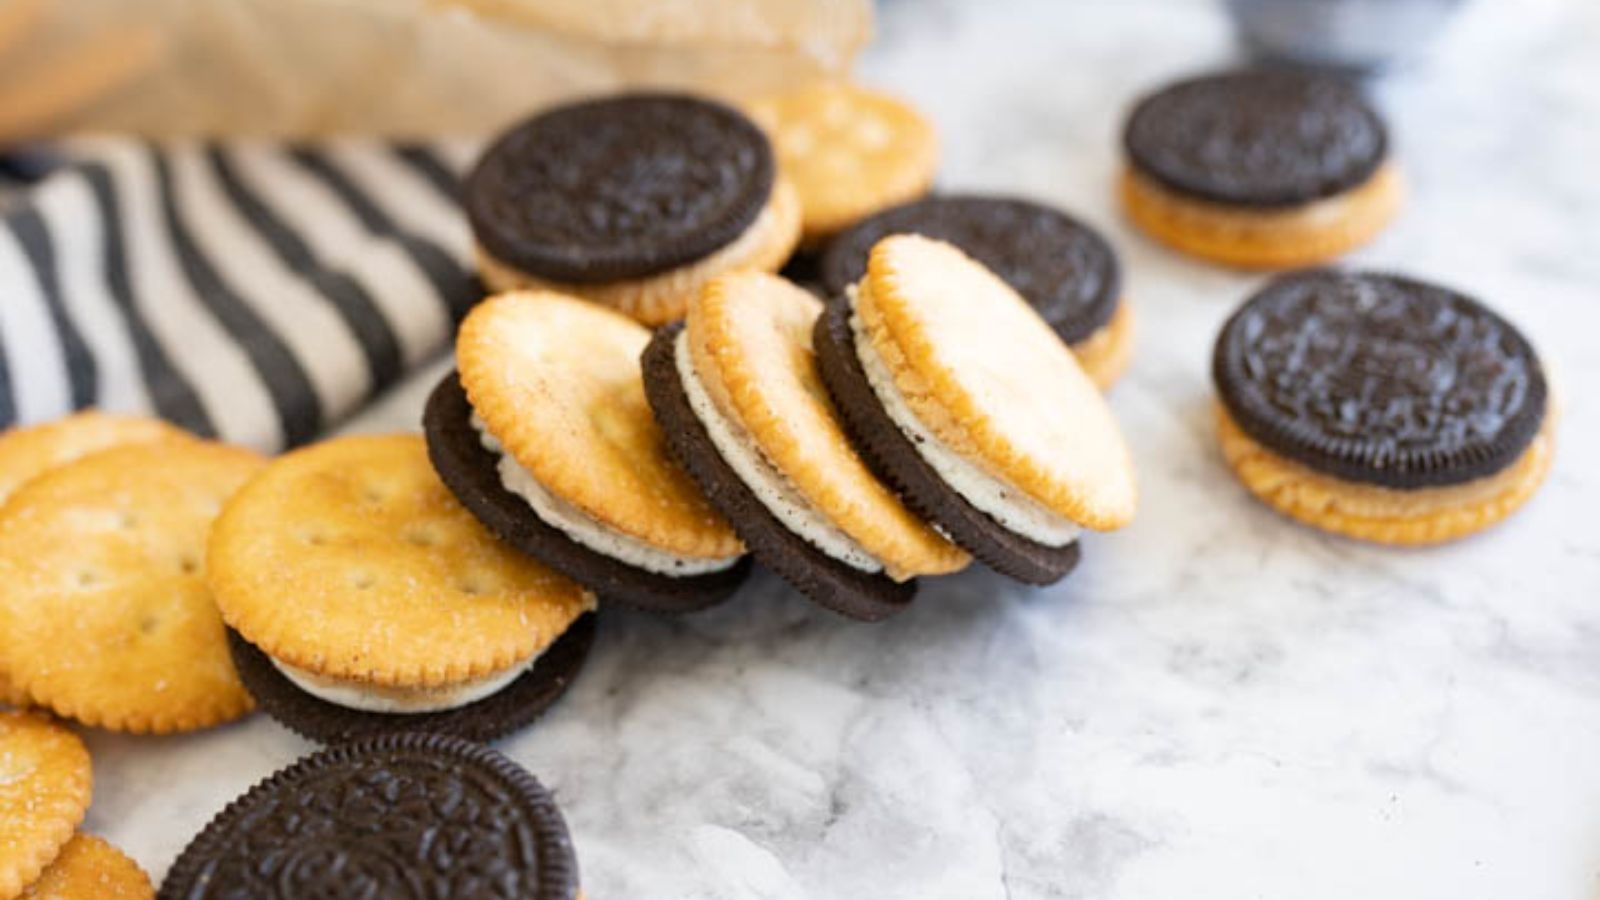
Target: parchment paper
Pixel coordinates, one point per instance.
(412, 67)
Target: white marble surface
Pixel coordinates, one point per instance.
(1218, 704)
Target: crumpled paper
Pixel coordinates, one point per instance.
(307, 68)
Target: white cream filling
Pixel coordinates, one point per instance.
(587, 530)
(374, 698)
(770, 486)
(1003, 502)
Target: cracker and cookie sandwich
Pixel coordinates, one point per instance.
(1065, 270)
(544, 434)
(1381, 407)
(361, 598)
(404, 815)
(632, 201)
(737, 393)
(1259, 168)
(105, 615)
(960, 396)
(850, 151)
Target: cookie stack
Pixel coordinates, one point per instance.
(849, 458)
(927, 415)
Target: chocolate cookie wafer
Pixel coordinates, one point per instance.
(406, 815)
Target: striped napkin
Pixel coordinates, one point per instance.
(251, 291)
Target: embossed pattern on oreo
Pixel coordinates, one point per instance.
(1062, 267)
(1380, 379)
(619, 188)
(414, 816)
(1264, 138)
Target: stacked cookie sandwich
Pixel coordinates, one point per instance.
(927, 415)
(361, 599)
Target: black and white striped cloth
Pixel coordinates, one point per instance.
(255, 292)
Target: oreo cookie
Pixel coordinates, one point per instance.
(1063, 268)
(507, 710)
(839, 587)
(620, 187)
(1380, 379)
(1257, 137)
(406, 815)
(471, 472)
(896, 461)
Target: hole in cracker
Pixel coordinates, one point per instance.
(362, 580)
(127, 520)
(420, 537)
(188, 565)
(471, 587)
(148, 625)
(315, 539)
(86, 578)
(372, 494)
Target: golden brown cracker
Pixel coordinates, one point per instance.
(1104, 355)
(351, 560)
(33, 450)
(1380, 514)
(10, 694)
(1264, 239)
(91, 869)
(45, 783)
(105, 612)
(850, 151)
